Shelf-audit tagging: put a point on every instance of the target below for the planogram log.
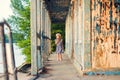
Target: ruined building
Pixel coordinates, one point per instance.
(92, 32)
(93, 27)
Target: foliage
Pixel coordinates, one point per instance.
(20, 23)
(57, 28)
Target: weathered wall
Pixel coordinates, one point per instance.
(40, 35)
(105, 34)
(93, 34)
(78, 33)
(86, 28)
(69, 35)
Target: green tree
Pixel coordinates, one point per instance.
(20, 23)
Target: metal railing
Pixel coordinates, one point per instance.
(5, 64)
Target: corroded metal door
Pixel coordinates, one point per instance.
(105, 34)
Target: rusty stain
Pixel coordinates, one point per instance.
(103, 33)
(106, 40)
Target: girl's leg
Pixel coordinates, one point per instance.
(60, 57)
(57, 57)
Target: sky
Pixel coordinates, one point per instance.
(5, 10)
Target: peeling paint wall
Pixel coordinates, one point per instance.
(105, 34)
(93, 34)
(78, 33)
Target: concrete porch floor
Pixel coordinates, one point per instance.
(62, 70)
(59, 70)
(65, 70)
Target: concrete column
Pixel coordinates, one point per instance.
(49, 34)
(39, 33)
(43, 33)
(69, 33)
(40, 22)
(34, 55)
(86, 34)
(66, 32)
(46, 34)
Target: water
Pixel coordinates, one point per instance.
(19, 58)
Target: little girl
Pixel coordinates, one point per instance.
(59, 46)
